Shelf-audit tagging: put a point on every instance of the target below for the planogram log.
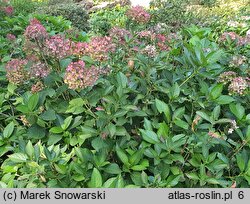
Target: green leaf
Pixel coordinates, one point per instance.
(248, 133)
(65, 62)
(75, 106)
(175, 90)
(33, 101)
(122, 155)
(78, 177)
(122, 79)
(224, 99)
(48, 115)
(66, 123)
(216, 113)
(96, 179)
(113, 169)
(216, 91)
(112, 129)
(212, 181)
(53, 139)
(136, 157)
(240, 162)
(142, 166)
(23, 109)
(162, 107)
(204, 116)
(18, 157)
(163, 130)
(110, 183)
(238, 110)
(8, 130)
(181, 124)
(192, 176)
(29, 149)
(56, 130)
(149, 136)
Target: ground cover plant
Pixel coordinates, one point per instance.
(135, 100)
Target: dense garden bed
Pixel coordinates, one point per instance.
(124, 96)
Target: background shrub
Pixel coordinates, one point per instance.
(25, 6)
(73, 12)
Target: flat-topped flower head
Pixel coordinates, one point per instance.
(35, 31)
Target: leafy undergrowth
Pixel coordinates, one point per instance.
(137, 106)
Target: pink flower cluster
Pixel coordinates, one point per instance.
(237, 85)
(240, 41)
(138, 14)
(39, 70)
(226, 77)
(119, 34)
(79, 48)
(159, 39)
(58, 46)
(147, 34)
(237, 61)
(150, 50)
(35, 31)
(161, 42)
(9, 10)
(10, 37)
(78, 76)
(16, 72)
(99, 47)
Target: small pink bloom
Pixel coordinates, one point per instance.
(100, 108)
(11, 37)
(9, 10)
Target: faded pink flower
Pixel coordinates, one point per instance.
(233, 37)
(39, 70)
(99, 47)
(79, 48)
(35, 31)
(238, 86)
(78, 76)
(16, 72)
(237, 61)
(150, 50)
(138, 14)
(146, 34)
(9, 10)
(226, 77)
(11, 37)
(119, 34)
(37, 87)
(58, 46)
